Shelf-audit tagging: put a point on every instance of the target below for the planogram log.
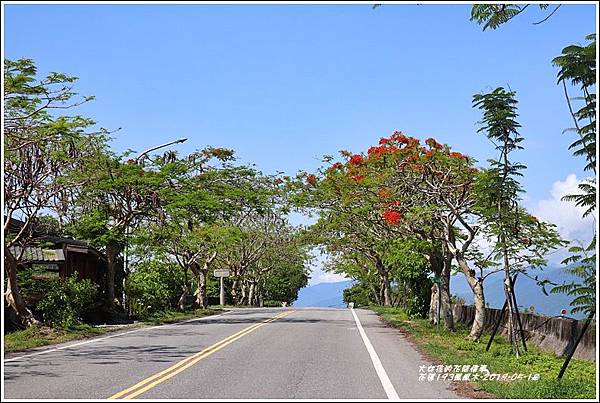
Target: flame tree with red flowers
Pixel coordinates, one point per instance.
(435, 186)
(352, 219)
(402, 190)
(373, 200)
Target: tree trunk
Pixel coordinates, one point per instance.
(375, 294)
(112, 251)
(12, 293)
(202, 275)
(479, 321)
(387, 298)
(433, 305)
(251, 294)
(243, 292)
(508, 290)
(476, 286)
(446, 300)
(201, 295)
(234, 292)
(441, 268)
(385, 283)
(182, 299)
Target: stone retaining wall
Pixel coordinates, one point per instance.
(552, 334)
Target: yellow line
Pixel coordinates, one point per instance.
(182, 365)
(182, 362)
(178, 364)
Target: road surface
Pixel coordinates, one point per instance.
(304, 353)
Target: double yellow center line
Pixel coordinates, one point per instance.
(186, 363)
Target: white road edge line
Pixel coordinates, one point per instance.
(111, 336)
(383, 376)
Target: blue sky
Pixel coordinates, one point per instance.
(286, 84)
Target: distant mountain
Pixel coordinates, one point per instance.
(527, 291)
(323, 295)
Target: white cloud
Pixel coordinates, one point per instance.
(319, 276)
(566, 215)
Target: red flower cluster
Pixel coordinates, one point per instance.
(429, 153)
(358, 178)
(311, 179)
(335, 167)
(356, 159)
(432, 143)
(378, 152)
(221, 153)
(412, 142)
(399, 137)
(392, 217)
(458, 155)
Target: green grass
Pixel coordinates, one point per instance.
(164, 317)
(451, 348)
(38, 336)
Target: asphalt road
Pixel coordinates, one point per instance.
(306, 353)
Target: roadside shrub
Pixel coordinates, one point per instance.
(153, 286)
(35, 281)
(66, 301)
(359, 294)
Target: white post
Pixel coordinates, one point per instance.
(222, 293)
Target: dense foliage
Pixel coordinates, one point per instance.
(397, 216)
(67, 301)
(153, 286)
(163, 222)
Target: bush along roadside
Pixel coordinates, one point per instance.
(538, 368)
(38, 336)
(67, 301)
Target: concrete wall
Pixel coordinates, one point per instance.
(551, 334)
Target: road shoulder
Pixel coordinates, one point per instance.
(462, 389)
(402, 360)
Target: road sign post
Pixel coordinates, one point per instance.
(222, 292)
(221, 273)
